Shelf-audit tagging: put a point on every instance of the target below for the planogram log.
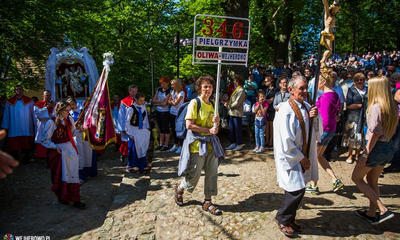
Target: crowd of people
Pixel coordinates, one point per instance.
(358, 99)
(60, 138)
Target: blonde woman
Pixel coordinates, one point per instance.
(382, 121)
(176, 100)
(63, 155)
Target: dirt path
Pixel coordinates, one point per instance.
(132, 206)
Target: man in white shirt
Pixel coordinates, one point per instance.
(294, 168)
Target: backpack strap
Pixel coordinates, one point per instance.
(199, 104)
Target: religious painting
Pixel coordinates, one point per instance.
(72, 79)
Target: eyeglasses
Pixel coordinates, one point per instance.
(359, 80)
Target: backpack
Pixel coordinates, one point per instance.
(180, 122)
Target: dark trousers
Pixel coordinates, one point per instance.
(235, 130)
(335, 140)
(287, 213)
(396, 146)
(162, 120)
(177, 140)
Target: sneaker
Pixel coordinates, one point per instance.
(179, 150)
(349, 161)
(256, 149)
(232, 146)
(363, 214)
(159, 147)
(173, 149)
(261, 150)
(337, 185)
(381, 218)
(312, 190)
(164, 148)
(238, 147)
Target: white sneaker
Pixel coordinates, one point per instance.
(232, 146)
(260, 150)
(256, 149)
(179, 150)
(173, 149)
(238, 147)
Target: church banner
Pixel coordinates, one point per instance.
(98, 122)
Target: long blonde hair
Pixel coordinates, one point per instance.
(379, 93)
(177, 85)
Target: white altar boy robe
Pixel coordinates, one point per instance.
(42, 116)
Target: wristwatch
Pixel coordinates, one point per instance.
(364, 155)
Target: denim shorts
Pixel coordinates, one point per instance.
(381, 154)
(326, 138)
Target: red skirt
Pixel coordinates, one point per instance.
(66, 191)
(21, 142)
(41, 151)
(123, 149)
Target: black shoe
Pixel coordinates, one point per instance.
(391, 169)
(79, 205)
(122, 158)
(364, 215)
(381, 218)
(164, 148)
(63, 202)
(159, 147)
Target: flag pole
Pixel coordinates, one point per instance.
(82, 114)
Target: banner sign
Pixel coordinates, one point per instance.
(229, 35)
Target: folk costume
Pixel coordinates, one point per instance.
(126, 103)
(19, 121)
(87, 156)
(289, 150)
(64, 167)
(43, 114)
(137, 125)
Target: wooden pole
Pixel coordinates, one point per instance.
(316, 83)
(90, 98)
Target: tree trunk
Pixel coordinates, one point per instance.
(285, 29)
(237, 8)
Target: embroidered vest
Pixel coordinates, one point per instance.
(135, 116)
(60, 134)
